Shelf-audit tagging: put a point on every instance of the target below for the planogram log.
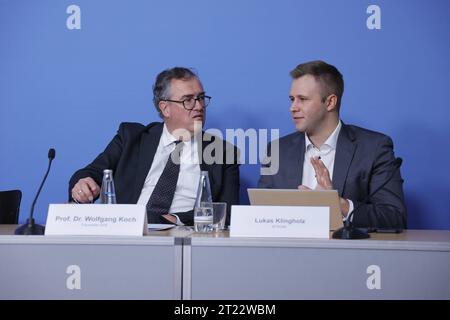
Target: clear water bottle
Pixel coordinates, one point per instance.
(203, 209)
(108, 191)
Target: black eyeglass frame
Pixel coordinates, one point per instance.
(206, 100)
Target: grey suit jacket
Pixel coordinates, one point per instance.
(365, 172)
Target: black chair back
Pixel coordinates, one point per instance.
(9, 206)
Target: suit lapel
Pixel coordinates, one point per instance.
(345, 151)
(204, 166)
(209, 167)
(296, 157)
(147, 150)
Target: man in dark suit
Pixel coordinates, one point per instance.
(327, 154)
(139, 156)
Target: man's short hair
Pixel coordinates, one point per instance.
(161, 88)
(328, 75)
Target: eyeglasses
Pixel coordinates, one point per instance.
(189, 103)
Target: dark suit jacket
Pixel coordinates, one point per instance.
(130, 154)
(364, 161)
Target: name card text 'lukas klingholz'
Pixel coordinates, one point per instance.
(280, 221)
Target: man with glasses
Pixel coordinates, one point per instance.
(159, 164)
(326, 154)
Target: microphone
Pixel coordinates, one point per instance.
(30, 228)
(349, 231)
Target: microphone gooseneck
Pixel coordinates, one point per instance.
(30, 228)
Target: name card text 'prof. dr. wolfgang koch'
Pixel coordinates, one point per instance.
(280, 221)
(96, 219)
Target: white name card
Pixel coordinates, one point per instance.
(280, 221)
(96, 219)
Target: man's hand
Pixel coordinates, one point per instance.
(85, 190)
(170, 218)
(322, 175)
(324, 183)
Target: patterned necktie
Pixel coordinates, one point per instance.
(162, 196)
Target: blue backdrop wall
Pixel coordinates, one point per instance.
(69, 88)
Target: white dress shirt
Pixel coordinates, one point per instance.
(186, 189)
(327, 153)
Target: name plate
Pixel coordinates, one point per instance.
(96, 219)
(280, 221)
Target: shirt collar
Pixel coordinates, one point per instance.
(331, 140)
(167, 138)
